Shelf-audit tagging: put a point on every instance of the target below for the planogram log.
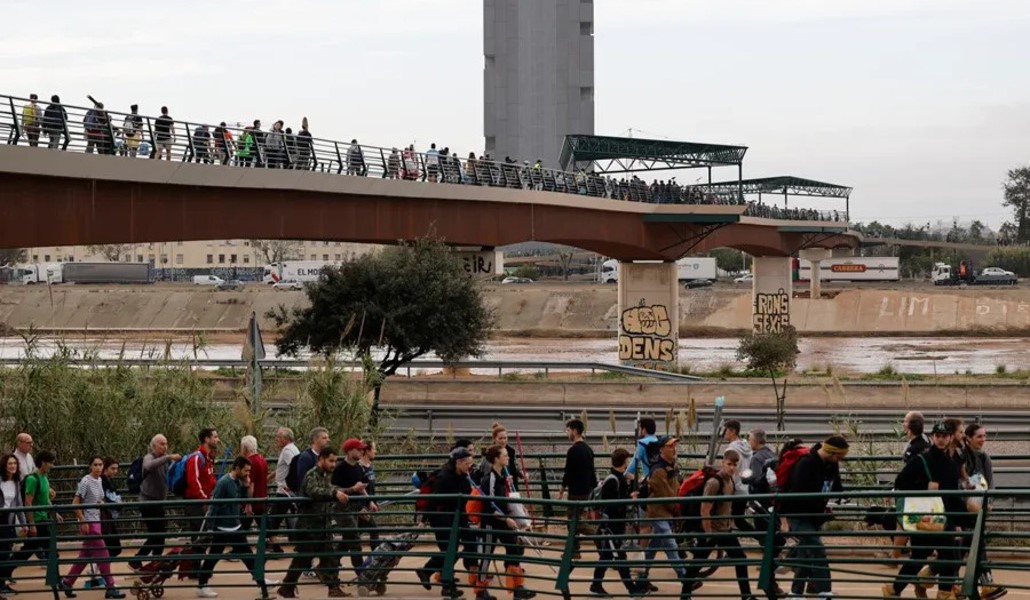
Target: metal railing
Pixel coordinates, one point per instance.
(556, 543)
(132, 135)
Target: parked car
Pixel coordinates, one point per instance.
(288, 284)
(234, 285)
(745, 278)
(516, 280)
(207, 280)
(698, 283)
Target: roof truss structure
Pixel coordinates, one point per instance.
(611, 155)
(783, 186)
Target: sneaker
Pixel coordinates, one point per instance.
(990, 592)
(310, 575)
(451, 591)
(336, 591)
(286, 593)
(277, 549)
(888, 592)
(637, 591)
(425, 577)
(270, 582)
(67, 589)
(114, 593)
(135, 565)
(206, 592)
(598, 590)
(484, 595)
(523, 593)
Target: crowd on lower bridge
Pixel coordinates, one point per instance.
(325, 497)
(281, 147)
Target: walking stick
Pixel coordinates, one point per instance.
(522, 460)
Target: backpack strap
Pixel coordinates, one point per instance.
(926, 468)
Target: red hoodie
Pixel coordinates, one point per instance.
(200, 475)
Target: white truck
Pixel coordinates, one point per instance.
(692, 268)
(30, 274)
(853, 268)
(297, 270)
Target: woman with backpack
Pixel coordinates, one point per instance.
(90, 491)
(109, 516)
(499, 527)
(13, 525)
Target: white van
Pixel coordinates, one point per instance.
(207, 280)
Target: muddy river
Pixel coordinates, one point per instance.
(923, 355)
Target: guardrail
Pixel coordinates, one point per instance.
(550, 552)
(132, 135)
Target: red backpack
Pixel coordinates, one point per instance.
(786, 465)
(694, 487)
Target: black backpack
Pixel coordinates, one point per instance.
(134, 478)
(293, 479)
(652, 453)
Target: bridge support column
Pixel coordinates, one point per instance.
(843, 252)
(771, 292)
(648, 314)
(815, 256)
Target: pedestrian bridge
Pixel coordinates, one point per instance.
(316, 189)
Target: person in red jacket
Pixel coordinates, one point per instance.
(200, 476)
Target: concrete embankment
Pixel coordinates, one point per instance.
(541, 310)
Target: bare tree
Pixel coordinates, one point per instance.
(10, 256)
(110, 252)
(275, 251)
(565, 262)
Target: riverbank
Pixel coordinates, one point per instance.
(540, 310)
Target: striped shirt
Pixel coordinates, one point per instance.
(90, 491)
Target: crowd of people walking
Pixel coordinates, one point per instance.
(282, 147)
(334, 509)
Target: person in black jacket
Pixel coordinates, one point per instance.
(579, 477)
(917, 442)
(54, 120)
(613, 523)
(932, 470)
(499, 527)
(452, 479)
(816, 472)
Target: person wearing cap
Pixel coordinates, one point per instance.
(935, 469)
(31, 115)
(664, 482)
(452, 480)
(350, 477)
(818, 472)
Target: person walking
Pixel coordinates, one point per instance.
(315, 538)
(612, 526)
(499, 435)
(717, 524)
(366, 518)
(200, 477)
(578, 478)
(38, 496)
(164, 135)
(355, 159)
(55, 120)
(90, 491)
(13, 521)
(664, 482)
(638, 467)
(978, 474)
(23, 453)
(153, 491)
(279, 510)
(451, 480)
(731, 435)
(307, 460)
(31, 116)
(917, 442)
(816, 472)
(932, 470)
(109, 514)
(227, 533)
(132, 132)
(222, 138)
(497, 526)
(350, 477)
(305, 147)
(258, 479)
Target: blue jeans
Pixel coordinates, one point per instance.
(812, 566)
(672, 551)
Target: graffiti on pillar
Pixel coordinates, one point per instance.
(646, 334)
(771, 312)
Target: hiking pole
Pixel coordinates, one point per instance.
(713, 442)
(522, 460)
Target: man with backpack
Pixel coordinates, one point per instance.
(664, 482)
(646, 451)
(612, 525)
(153, 488)
(731, 434)
(451, 480)
(716, 525)
(55, 120)
(579, 477)
(38, 496)
(199, 477)
(305, 461)
(816, 472)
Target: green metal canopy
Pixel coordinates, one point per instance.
(627, 155)
(784, 186)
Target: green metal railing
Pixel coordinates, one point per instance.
(557, 559)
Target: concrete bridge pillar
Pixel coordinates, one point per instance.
(815, 256)
(770, 293)
(648, 314)
(844, 252)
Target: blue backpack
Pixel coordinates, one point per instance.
(177, 473)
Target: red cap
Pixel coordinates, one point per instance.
(353, 444)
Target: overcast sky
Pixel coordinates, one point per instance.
(920, 105)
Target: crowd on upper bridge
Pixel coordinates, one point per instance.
(335, 491)
(131, 134)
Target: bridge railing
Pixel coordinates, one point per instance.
(556, 543)
(84, 129)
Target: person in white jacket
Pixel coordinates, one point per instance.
(731, 435)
